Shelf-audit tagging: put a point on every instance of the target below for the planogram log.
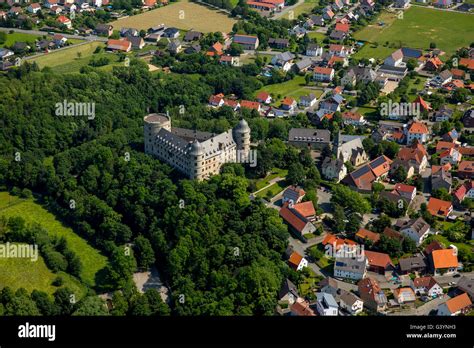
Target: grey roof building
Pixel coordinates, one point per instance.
(412, 264)
(308, 137)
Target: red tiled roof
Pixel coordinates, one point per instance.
(423, 104)
(405, 188)
(342, 27)
(305, 209)
(439, 207)
(288, 101)
(466, 166)
(444, 258)
(250, 104)
(263, 96)
(418, 127)
(378, 259)
(458, 303)
(292, 219)
(323, 71)
(467, 62)
(366, 234)
(63, 19)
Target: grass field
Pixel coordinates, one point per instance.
(274, 189)
(305, 7)
(19, 37)
(294, 88)
(276, 172)
(74, 58)
(23, 273)
(29, 210)
(183, 15)
(418, 28)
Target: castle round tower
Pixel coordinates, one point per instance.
(241, 134)
(152, 125)
(196, 155)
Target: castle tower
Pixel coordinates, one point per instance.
(196, 154)
(152, 125)
(241, 134)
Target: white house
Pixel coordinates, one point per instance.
(334, 169)
(297, 261)
(452, 156)
(326, 305)
(350, 267)
(308, 100)
(418, 131)
(416, 229)
(314, 50)
(351, 303)
(323, 74)
(427, 286)
(339, 50)
(34, 8)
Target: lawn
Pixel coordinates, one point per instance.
(305, 7)
(276, 172)
(23, 273)
(19, 37)
(31, 211)
(183, 15)
(318, 36)
(417, 29)
(293, 88)
(71, 59)
(275, 189)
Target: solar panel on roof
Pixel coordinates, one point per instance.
(377, 162)
(361, 171)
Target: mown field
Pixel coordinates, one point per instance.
(294, 88)
(31, 211)
(73, 58)
(183, 15)
(23, 273)
(417, 29)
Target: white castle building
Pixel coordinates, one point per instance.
(198, 155)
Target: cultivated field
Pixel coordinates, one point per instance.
(417, 29)
(23, 273)
(182, 15)
(29, 210)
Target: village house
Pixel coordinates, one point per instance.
(440, 208)
(247, 42)
(34, 8)
(466, 190)
(443, 114)
(192, 35)
(137, 42)
(315, 139)
(119, 45)
(284, 60)
(379, 262)
(460, 304)
(288, 292)
(297, 262)
(466, 284)
(466, 170)
(451, 136)
(441, 177)
(264, 97)
(444, 261)
(279, 43)
(339, 50)
(298, 223)
(323, 74)
(251, 105)
(351, 303)
(307, 100)
(404, 295)
(326, 305)
(416, 229)
(293, 194)
(406, 191)
(427, 286)
(412, 264)
(289, 104)
(451, 156)
(372, 295)
(350, 268)
(301, 308)
(364, 235)
(314, 50)
(417, 131)
(65, 21)
(333, 169)
(442, 78)
(303, 65)
(353, 118)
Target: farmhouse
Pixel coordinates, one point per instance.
(247, 42)
(119, 45)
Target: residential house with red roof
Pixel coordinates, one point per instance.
(372, 294)
(293, 194)
(339, 50)
(379, 262)
(444, 261)
(404, 295)
(416, 229)
(422, 104)
(460, 304)
(65, 21)
(353, 118)
(363, 235)
(297, 262)
(216, 101)
(466, 190)
(215, 50)
(297, 223)
(413, 159)
(417, 131)
(451, 156)
(264, 97)
(427, 286)
(406, 191)
(467, 62)
(289, 104)
(119, 45)
(301, 308)
(466, 170)
(251, 105)
(440, 208)
(433, 64)
(323, 74)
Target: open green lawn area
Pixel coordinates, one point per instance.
(367, 111)
(276, 172)
(305, 7)
(461, 246)
(418, 86)
(318, 36)
(23, 273)
(419, 27)
(72, 59)
(274, 189)
(31, 211)
(19, 37)
(294, 88)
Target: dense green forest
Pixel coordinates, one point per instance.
(220, 253)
